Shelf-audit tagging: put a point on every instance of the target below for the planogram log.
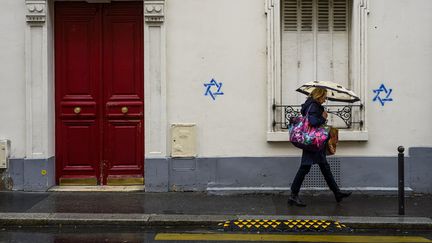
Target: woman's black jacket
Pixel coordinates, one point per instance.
(315, 112)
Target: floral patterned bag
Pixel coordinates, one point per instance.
(304, 136)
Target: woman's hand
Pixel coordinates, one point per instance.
(325, 115)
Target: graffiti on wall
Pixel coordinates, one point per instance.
(213, 89)
(382, 94)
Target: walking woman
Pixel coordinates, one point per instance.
(317, 116)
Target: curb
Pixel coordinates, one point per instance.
(165, 220)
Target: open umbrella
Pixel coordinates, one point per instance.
(335, 92)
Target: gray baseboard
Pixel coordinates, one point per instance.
(32, 174)
(261, 174)
(248, 174)
(420, 169)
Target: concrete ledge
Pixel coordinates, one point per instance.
(97, 188)
(187, 220)
(306, 190)
(53, 219)
(56, 219)
(387, 222)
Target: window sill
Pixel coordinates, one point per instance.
(343, 136)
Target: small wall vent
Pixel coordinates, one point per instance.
(315, 179)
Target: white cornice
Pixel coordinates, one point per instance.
(154, 11)
(36, 12)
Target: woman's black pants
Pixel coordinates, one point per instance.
(304, 169)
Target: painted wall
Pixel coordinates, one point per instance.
(12, 76)
(226, 40)
(13, 29)
(400, 56)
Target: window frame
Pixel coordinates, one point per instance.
(357, 66)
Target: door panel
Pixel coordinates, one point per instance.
(123, 52)
(79, 140)
(99, 91)
(115, 110)
(123, 89)
(77, 43)
(124, 147)
(77, 51)
(122, 49)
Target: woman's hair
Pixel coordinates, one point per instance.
(318, 93)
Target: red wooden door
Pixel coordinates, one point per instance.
(123, 90)
(99, 92)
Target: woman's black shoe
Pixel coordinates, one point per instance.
(341, 195)
(295, 200)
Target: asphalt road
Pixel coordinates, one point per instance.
(103, 234)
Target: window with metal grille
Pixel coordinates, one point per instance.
(315, 43)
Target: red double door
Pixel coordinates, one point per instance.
(99, 93)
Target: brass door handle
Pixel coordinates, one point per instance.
(124, 110)
(77, 110)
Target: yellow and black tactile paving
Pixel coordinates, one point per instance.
(295, 225)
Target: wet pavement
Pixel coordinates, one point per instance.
(121, 234)
(184, 203)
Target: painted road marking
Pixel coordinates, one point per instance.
(293, 238)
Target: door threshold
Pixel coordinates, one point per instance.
(134, 188)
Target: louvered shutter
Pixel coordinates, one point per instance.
(315, 43)
(289, 13)
(341, 17)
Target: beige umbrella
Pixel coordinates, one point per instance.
(335, 92)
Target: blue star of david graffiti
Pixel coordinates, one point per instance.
(387, 93)
(215, 86)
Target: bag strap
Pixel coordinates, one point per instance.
(307, 112)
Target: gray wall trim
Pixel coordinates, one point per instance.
(16, 173)
(253, 173)
(156, 175)
(32, 174)
(420, 170)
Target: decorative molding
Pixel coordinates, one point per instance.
(36, 12)
(154, 11)
(359, 63)
(272, 11)
(155, 80)
(37, 80)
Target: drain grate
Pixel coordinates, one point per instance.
(315, 179)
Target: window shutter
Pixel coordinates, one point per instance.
(323, 15)
(306, 15)
(315, 43)
(289, 14)
(329, 13)
(340, 15)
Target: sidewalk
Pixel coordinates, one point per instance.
(187, 209)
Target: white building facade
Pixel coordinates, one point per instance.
(211, 87)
